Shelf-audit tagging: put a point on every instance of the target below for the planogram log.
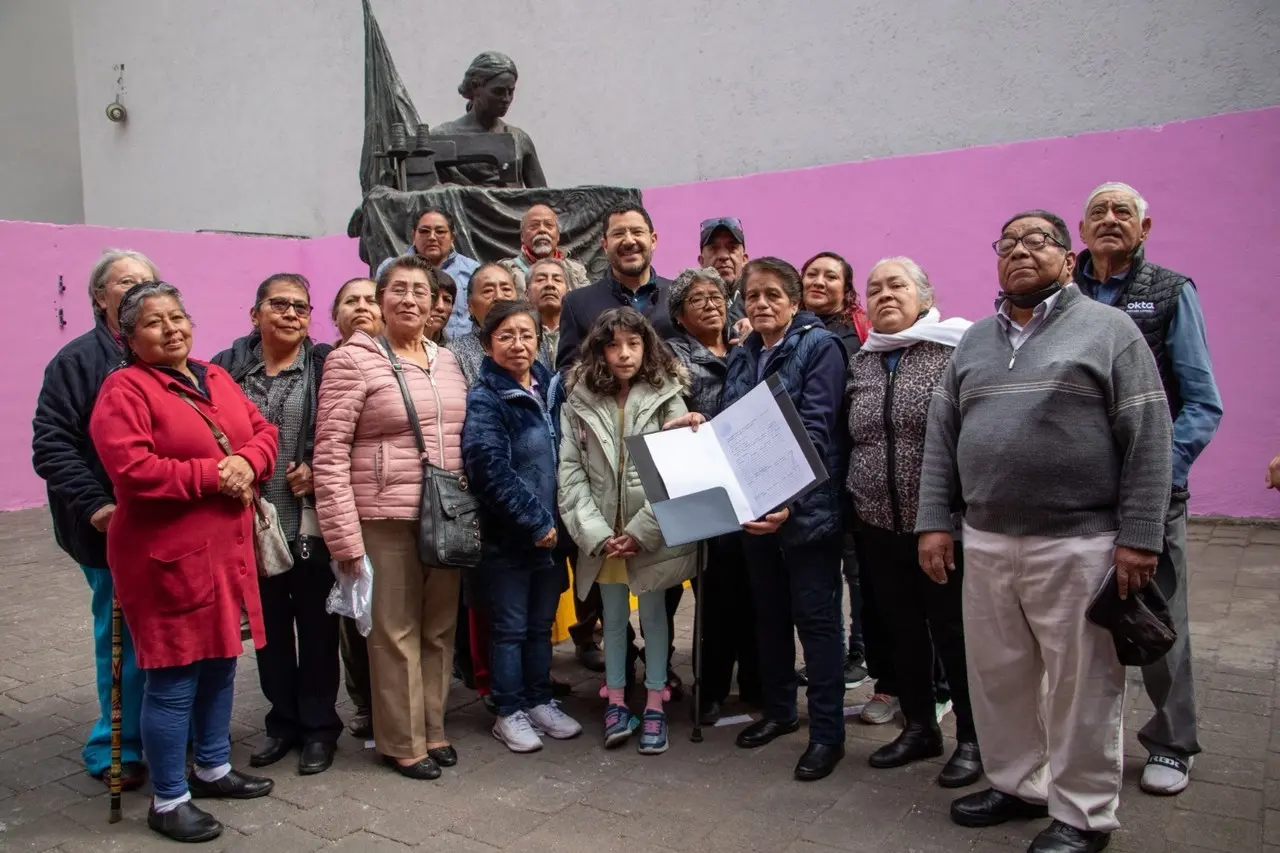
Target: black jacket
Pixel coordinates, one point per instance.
(61, 449)
(582, 307)
(245, 354)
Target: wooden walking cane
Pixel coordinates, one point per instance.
(117, 664)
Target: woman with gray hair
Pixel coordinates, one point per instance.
(891, 381)
(489, 85)
(698, 305)
(81, 498)
(186, 452)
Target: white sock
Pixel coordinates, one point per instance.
(212, 774)
(162, 805)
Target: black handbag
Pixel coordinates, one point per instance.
(449, 513)
(308, 547)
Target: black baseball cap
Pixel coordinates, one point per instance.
(730, 223)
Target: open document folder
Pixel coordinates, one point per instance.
(748, 461)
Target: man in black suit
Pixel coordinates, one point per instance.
(629, 239)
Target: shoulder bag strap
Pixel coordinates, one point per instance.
(412, 410)
(218, 435)
(308, 411)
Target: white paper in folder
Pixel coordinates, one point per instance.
(748, 449)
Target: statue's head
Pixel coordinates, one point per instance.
(489, 85)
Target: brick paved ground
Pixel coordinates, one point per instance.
(576, 797)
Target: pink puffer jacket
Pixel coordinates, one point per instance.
(366, 457)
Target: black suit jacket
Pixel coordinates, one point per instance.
(582, 307)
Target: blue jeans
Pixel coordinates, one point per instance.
(181, 701)
(615, 599)
(522, 608)
(97, 750)
(796, 591)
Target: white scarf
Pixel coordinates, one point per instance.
(930, 327)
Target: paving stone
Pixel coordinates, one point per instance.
(285, 838)
(1220, 800)
(1226, 834)
(449, 842)
(337, 818)
(363, 842)
(499, 826)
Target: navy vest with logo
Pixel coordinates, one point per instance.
(1149, 296)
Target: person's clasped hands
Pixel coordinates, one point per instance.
(235, 479)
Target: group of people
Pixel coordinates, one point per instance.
(984, 479)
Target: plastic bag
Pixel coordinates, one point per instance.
(352, 596)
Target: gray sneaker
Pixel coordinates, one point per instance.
(880, 710)
(516, 731)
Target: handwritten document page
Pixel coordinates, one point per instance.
(759, 446)
(690, 462)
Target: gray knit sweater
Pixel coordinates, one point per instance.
(1070, 437)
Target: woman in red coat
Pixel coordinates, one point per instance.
(180, 548)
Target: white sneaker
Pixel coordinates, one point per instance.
(516, 731)
(549, 720)
(1165, 775)
(880, 710)
(943, 708)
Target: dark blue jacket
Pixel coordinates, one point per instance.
(509, 451)
(62, 452)
(810, 361)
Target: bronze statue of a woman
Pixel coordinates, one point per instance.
(489, 87)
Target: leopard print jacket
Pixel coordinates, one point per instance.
(874, 488)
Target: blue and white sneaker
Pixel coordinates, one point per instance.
(653, 733)
(618, 725)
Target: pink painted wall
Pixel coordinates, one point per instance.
(216, 273)
(1212, 187)
(1211, 184)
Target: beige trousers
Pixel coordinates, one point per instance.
(1025, 629)
(415, 614)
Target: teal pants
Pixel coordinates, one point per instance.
(97, 751)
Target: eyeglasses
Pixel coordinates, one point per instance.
(509, 338)
(1034, 242)
(280, 305)
(399, 291)
(701, 301)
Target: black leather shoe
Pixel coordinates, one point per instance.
(361, 724)
(916, 743)
(590, 656)
(133, 775)
(992, 808)
(710, 713)
(272, 751)
(818, 761)
(426, 769)
(1060, 837)
(445, 756)
(489, 704)
(560, 689)
(963, 769)
(316, 757)
(765, 731)
(675, 684)
(233, 786)
(188, 822)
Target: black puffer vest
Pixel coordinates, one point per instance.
(1150, 298)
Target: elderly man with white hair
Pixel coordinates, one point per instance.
(1115, 271)
(81, 498)
(540, 240)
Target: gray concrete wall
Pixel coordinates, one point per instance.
(248, 115)
(39, 142)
